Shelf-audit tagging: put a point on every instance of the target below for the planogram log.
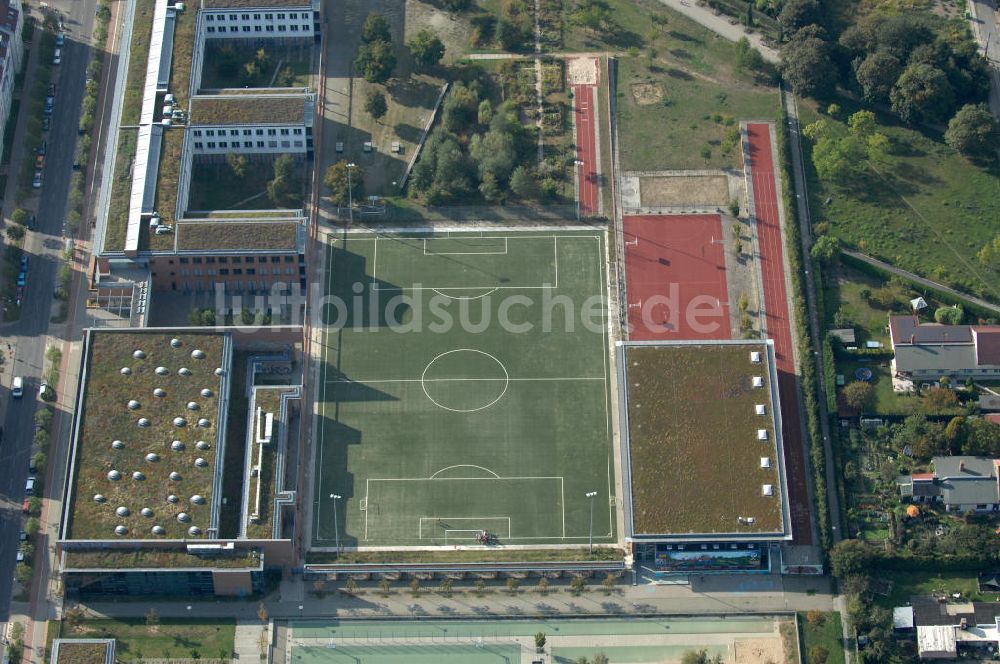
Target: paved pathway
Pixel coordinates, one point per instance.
(246, 642)
(892, 269)
(720, 25)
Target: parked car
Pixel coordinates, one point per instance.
(39, 162)
(24, 263)
(32, 467)
(22, 279)
(22, 536)
(36, 182)
(44, 147)
(45, 123)
(17, 387)
(20, 556)
(26, 506)
(57, 57)
(31, 221)
(42, 389)
(60, 39)
(29, 486)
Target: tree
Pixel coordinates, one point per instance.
(376, 28)
(859, 395)
(376, 61)
(578, 584)
(609, 582)
(343, 187)
(922, 94)
(600, 658)
(351, 587)
(512, 585)
(862, 124)
(460, 109)
(426, 48)
(816, 618)
(699, 657)
(807, 65)
(31, 526)
(594, 15)
(15, 232)
(375, 105)
(152, 618)
(939, 399)
(494, 152)
(748, 58)
(511, 34)
(876, 75)
(818, 654)
(262, 613)
(20, 216)
(446, 586)
(796, 14)
(973, 131)
(543, 585)
(415, 586)
(384, 585)
(456, 5)
(982, 438)
(524, 183)
(540, 641)
(949, 315)
(238, 164)
(838, 159)
(826, 249)
(849, 557)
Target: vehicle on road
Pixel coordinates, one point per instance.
(43, 148)
(60, 39)
(36, 182)
(57, 57)
(45, 123)
(29, 486)
(22, 279)
(32, 466)
(17, 387)
(24, 262)
(20, 556)
(22, 536)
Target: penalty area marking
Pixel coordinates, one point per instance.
(466, 253)
(446, 521)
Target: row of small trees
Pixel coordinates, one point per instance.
(578, 585)
(376, 58)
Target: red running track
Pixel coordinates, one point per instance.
(675, 266)
(776, 303)
(586, 149)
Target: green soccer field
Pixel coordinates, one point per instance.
(465, 388)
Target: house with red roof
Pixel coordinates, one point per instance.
(929, 351)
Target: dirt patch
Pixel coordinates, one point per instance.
(693, 190)
(758, 651)
(646, 94)
(583, 71)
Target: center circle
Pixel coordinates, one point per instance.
(464, 380)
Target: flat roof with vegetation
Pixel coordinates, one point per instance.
(126, 424)
(695, 451)
(262, 109)
(82, 651)
(268, 398)
(236, 236)
(160, 559)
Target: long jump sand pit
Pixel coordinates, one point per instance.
(693, 190)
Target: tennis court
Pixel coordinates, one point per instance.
(464, 389)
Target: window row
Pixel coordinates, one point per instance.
(247, 132)
(256, 16)
(258, 28)
(246, 145)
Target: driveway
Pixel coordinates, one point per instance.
(720, 25)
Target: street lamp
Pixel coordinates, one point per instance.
(591, 495)
(336, 527)
(350, 193)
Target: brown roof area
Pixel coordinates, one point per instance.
(240, 109)
(987, 344)
(256, 4)
(908, 329)
(232, 235)
(693, 440)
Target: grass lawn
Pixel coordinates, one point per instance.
(828, 634)
(843, 291)
(214, 186)
(925, 209)
(907, 584)
(887, 402)
(434, 433)
(673, 116)
(287, 64)
(171, 638)
(142, 26)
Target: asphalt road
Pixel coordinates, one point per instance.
(44, 246)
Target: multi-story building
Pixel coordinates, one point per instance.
(11, 55)
(177, 481)
(149, 222)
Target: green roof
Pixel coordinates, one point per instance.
(240, 109)
(235, 236)
(693, 428)
(107, 415)
(160, 559)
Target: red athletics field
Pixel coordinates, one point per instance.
(778, 322)
(586, 149)
(675, 270)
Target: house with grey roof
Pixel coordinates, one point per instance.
(928, 351)
(960, 483)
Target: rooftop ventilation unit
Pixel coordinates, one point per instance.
(159, 392)
(761, 434)
(765, 462)
(760, 409)
(139, 355)
(198, 354)
(162, 371)
(767, 490)
(175, 342)
(125, 371)
(117, 444)
(121, 530)
(757, 381)
(755, 356)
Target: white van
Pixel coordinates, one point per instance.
(17, 387)
(29, 487)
